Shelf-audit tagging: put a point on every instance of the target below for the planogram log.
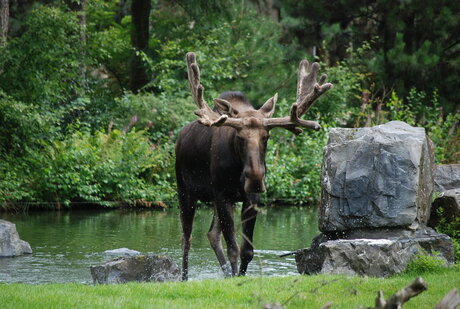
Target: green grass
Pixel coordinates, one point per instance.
(245, 292)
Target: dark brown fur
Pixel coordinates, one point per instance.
(222, 165)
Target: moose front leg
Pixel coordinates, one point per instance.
(248, 220)
(225, 217)
(214, 236)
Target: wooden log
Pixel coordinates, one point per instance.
(399, 298)
(450, 301)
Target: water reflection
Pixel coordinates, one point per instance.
(66, 244)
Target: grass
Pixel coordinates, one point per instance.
(244, 292)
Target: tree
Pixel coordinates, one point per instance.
(413, 43)
(4, 20)
(140, 11)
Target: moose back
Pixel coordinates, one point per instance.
(220, 158)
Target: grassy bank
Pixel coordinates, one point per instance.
(249, 292)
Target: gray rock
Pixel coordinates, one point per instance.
(447, 206)
(10, 243)
(447, 177)
(376, 177)
(371, 257)
(140, 268)
(122, 252)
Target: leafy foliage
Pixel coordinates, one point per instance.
(42, 67)
(425, 263)
(101, 168)
(450, 227)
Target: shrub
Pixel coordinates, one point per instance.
(425, 263)
(104, 167)
(450, 227)
(164, 115)
(22, 126)
(294, 166)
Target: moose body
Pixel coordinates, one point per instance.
(220, 158)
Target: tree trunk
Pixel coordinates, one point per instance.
(140, 11)
(4, 20)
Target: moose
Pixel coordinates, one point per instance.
(220, 158)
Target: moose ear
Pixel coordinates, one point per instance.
(269, 107)
(225, 108)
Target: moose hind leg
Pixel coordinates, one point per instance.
(187, 214)
(225, 215)
(248, 220)
(214, 236)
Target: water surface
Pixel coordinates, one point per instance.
(65, 244)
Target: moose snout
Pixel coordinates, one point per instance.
(251, 186)
(254, 182)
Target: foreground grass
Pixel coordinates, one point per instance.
(249, 292)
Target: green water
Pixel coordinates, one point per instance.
(65, 244)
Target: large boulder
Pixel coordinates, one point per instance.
(140, 268)
(447, 177)
(10, 243)
(376, 177)
(378, 257)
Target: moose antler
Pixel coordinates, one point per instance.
(308, 90)
(208, 117)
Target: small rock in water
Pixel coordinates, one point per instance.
(10, 243)
(140, 268)
(122, 251)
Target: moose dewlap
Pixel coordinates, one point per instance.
(376, 177)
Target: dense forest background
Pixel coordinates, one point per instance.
(93, 93)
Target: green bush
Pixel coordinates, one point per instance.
(164, 115)
(14, 183)
(103, 168)
(450, 227)
(22, 126)
(420, 109)
(425, 263)
(294, 166)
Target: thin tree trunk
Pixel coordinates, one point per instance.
(123, 10)
(4, 20)
(81, 9)
(140, 11)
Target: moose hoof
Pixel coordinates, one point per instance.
(227, 270)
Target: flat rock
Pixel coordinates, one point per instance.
(370, 256)
(140, 268)
(447, 177)
(376, 177)
(10, 243)
(122, 252)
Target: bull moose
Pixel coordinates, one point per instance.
(220, 158)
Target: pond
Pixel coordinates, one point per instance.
(65, 244)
